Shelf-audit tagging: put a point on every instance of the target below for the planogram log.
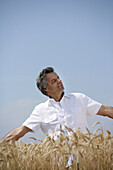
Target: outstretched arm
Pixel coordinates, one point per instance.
(17, 133)
(106, 111)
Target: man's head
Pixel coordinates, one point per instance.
(49, 83)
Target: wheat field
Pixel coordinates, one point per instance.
(86, 151)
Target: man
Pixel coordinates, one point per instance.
(59, 109)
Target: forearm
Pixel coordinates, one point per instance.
(17, 133)
(109, 111)
(13, 135)
(106, 111)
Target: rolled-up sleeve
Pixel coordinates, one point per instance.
(91, 106)
(34, 121)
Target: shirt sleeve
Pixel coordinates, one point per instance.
(34, 121)
(91, 106)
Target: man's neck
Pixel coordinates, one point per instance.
(58, 98)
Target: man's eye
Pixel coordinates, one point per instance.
(53, 80)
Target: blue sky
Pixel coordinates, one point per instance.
(74, 37)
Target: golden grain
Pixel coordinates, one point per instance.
(89, 151)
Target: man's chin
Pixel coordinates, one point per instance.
(62, 90)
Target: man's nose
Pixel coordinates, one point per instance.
(59, 80)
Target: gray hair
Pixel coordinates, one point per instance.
(41, 80)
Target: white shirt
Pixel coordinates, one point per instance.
(70, 111)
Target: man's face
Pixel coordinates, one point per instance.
(55, 86)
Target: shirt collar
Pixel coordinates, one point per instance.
(66, 95)
(52, 101)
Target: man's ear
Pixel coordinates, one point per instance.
(46, 89)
